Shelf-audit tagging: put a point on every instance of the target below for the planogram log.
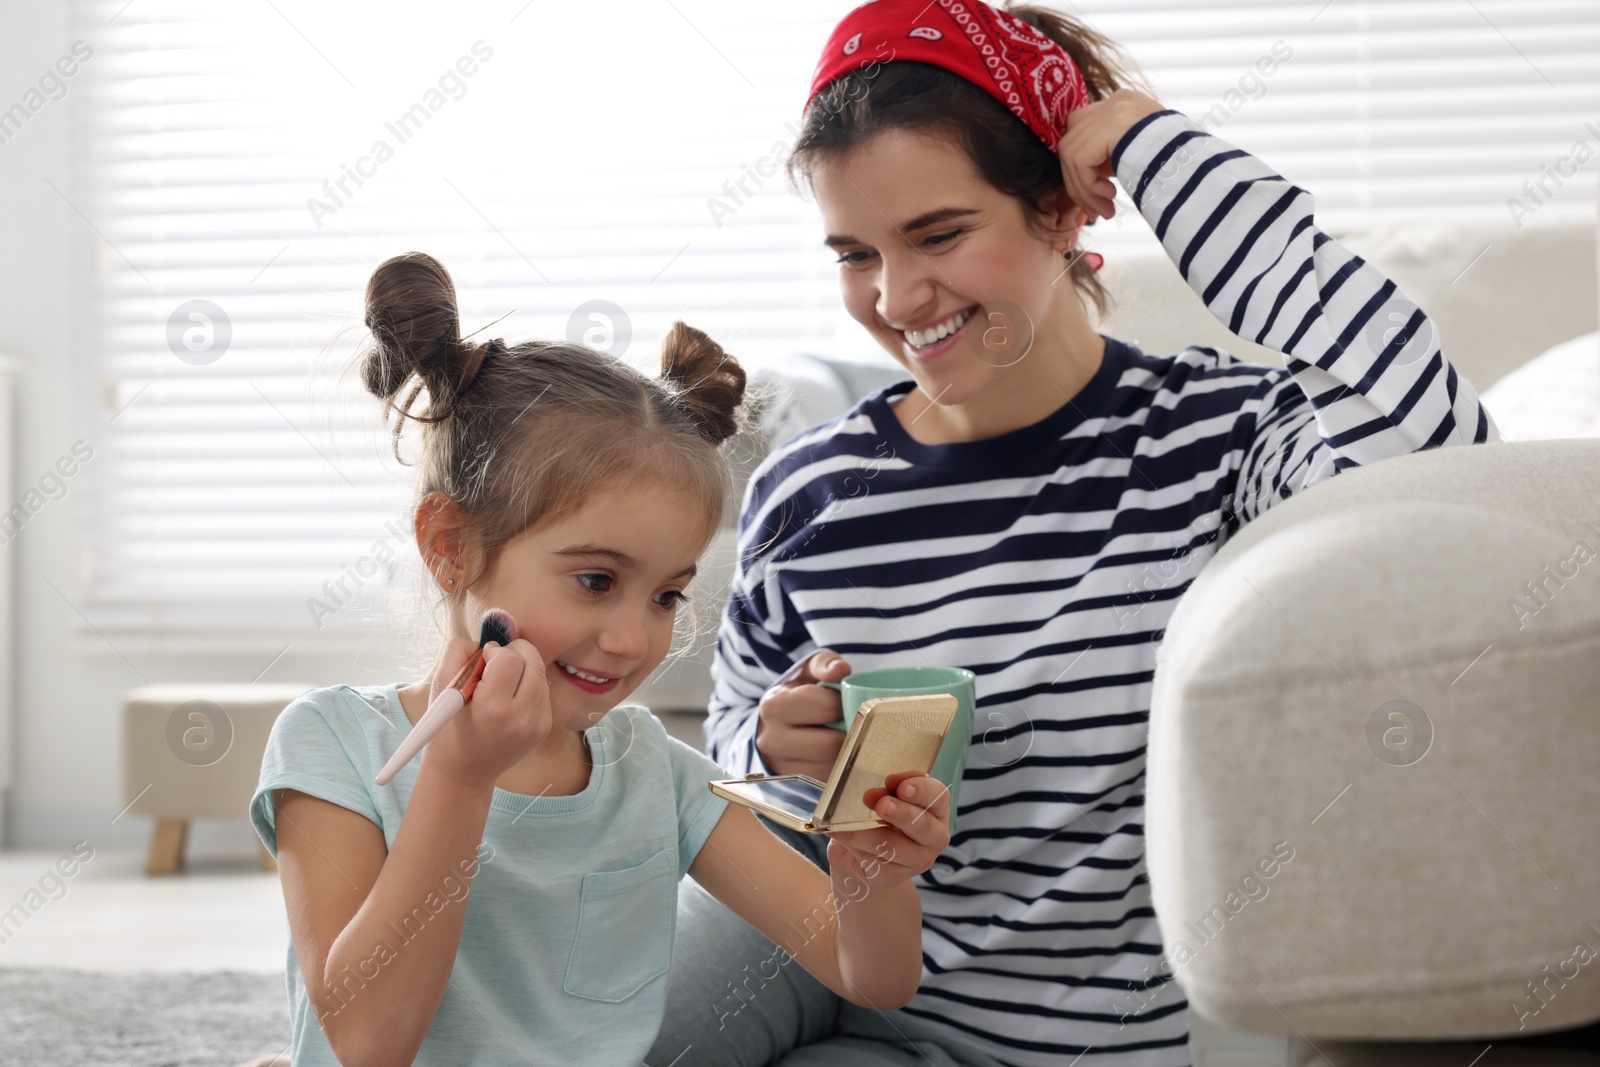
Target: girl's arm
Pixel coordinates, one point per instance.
(857, 928)
(1365, 378)
(375, 993)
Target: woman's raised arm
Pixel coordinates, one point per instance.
(1365, 380)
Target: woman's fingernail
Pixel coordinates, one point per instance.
(908, 791)
(891, 808)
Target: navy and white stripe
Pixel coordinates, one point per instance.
(1048, 560)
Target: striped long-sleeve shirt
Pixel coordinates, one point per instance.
(1048, 561)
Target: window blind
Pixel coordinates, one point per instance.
(240, 170)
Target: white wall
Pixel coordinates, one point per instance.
(67, 747)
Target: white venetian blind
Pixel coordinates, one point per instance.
(1389, 111)
(263, 158)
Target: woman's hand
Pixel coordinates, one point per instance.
(1092, 135)
(918, 814)
(508, 715)
(791, 736)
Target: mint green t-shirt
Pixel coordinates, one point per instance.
(568, 933)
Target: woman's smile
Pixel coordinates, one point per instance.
(927, 342)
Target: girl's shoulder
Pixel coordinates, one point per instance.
(632, 730)
(337, 731)
(344, 709)
(328, 743)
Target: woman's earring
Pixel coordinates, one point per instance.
(1093, 259)
(450, 581)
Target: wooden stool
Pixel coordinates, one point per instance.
(193, 751)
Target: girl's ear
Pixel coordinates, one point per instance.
(443, 538)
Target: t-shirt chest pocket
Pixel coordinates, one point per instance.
(624, 936)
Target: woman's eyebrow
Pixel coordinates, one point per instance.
(618, 557)
(922, 221)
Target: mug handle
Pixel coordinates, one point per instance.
(837, 687)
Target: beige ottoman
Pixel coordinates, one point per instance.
(1374, 800)
(193, 751)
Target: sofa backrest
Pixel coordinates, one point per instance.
(1499, 295)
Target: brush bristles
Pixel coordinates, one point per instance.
(499, 627)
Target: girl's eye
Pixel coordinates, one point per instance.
(941, 238)
(853, 258)
(583, 579)
(677, 598)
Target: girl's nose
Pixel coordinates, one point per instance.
(625, 636)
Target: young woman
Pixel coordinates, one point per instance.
(1030, 505)
(509, 896)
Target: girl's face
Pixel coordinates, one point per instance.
(596, 592)
(928, 247)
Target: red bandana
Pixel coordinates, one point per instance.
(994, 50)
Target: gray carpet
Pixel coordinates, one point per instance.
(52, 1018)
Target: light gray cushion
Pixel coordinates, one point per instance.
(1423, 894)
(1556, 394)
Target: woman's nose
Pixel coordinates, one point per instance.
(905, 290)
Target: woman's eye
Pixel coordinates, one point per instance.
(941, 238)
(584, 580)
(853, 258)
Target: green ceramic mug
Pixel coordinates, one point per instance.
(862, 686)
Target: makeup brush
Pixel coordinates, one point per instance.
(498, 626)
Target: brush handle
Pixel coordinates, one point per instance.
(443, 708)
(436, 718)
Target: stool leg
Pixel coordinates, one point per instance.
(267, 862)
(166, 846)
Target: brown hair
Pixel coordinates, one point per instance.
(518, 436)
(906, 95)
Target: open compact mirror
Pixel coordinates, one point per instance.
(888, 736)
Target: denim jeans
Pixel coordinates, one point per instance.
(732, 1003)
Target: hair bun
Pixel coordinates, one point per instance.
(709, 382)
(416, 330)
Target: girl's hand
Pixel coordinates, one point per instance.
(918, 814)
(508, 715)
(1092, 134)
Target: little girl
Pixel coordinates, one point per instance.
(510, 896)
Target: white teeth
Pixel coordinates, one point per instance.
(924, 338)
(570, 669)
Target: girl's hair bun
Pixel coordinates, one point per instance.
(416, 330)
(709, 383)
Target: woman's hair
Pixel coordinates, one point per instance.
(522, 435)
(904, 95)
